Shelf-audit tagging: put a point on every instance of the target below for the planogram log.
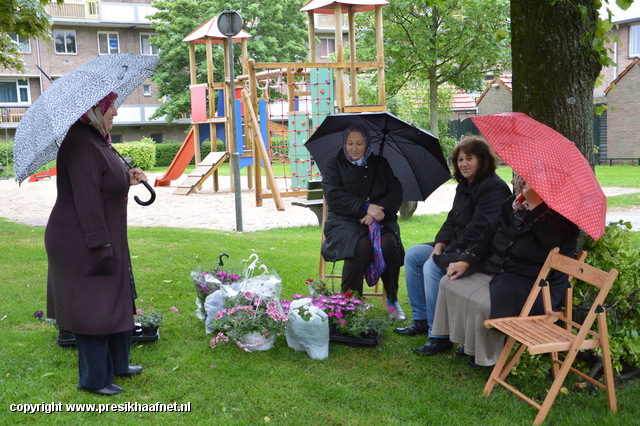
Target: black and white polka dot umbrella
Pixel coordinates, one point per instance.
(46, 122)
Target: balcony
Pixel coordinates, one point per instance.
(95, 10)
(11, 116)
(74, 10)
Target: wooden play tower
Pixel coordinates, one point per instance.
(279, 104)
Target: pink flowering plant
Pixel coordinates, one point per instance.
(149, 318)
(348, 314)
(208, 281)
(249, 312)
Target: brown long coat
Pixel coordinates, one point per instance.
(89, 285)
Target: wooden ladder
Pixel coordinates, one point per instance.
(202, 172)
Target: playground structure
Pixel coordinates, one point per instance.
(278, 106)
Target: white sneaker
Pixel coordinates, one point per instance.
(398, 314)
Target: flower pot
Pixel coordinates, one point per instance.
(370, 339)
(254, 341)
(149, 331)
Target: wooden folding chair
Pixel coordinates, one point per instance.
(542, 333)
(323, 266)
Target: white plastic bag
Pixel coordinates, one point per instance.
(213, 304)
(311, 333)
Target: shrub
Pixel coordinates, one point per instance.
(6, 153)
(166, 152)
(142, 153)
(616, 250)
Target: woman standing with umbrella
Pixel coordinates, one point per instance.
(363, 197)
(90, 288)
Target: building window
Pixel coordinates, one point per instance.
(65, 41)
(145, 46)
(24, 43)
(14, 92)
(157, 137)
(108, 43)
(327, 47)
(146, 89)
(116, 138)
(634, 40)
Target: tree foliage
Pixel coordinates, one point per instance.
(442, 42)
(278, 30)
(27, 19)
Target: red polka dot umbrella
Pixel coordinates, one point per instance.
(551, 164)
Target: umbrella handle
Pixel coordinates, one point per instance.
(151, 200)
(146, 184)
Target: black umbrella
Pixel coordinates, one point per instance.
(414, 154)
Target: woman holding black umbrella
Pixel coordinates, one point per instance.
(363, 197)
(90, 288)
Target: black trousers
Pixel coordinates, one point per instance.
(100, 357)
(354, 267)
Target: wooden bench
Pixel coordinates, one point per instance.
(314, 199)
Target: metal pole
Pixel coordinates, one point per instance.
(235, 158)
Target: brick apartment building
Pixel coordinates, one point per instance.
(82, 30)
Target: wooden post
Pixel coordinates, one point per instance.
(337, 13)
(253, 90)
(250, 141)
(262, 152)
(352, 55)
(380, 51)
(312, 36)
(212, 107)
(196, 127)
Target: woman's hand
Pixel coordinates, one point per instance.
(456, 269)
(375, 211)
(367, 220)
(438, 248)
(136, 176)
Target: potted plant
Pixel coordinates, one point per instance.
(351, 319)
(206, 282)
(250, 320)
(149, 320)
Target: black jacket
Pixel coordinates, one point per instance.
(476, 207)
(347, 188)
(514, 250)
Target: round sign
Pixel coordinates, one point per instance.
(229, 23)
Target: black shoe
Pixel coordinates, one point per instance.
(132, 371)
(472, 363)
(434, 346)
(460, 351)
(106, 391)
(416, 327)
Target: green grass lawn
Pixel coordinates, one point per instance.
(388, 384)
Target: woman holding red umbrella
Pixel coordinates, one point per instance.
(90, 288)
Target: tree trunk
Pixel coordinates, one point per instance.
(555, 67)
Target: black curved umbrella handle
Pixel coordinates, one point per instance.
(146, 184)
(151, 200)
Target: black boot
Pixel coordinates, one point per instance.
(435, 346)
(416, 327)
